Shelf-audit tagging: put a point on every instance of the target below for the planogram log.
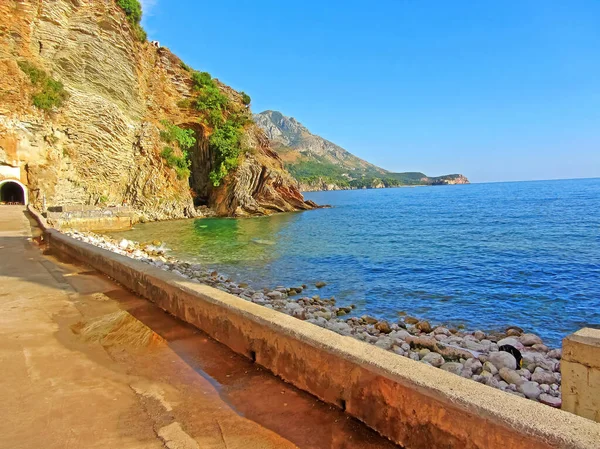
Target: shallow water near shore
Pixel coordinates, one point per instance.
(482, 255)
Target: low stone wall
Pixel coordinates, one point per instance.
(90, 218)
(415, 405)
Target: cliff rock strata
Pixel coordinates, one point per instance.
(102, 146)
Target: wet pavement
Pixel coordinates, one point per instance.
(88, 364)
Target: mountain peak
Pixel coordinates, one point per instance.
(283, 130)
(290, 136)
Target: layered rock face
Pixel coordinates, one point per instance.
(260, 185)
(102, 146)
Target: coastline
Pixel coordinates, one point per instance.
(470, 354)
(404, 186)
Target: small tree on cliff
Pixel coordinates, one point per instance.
(245, 98)
(133, 11)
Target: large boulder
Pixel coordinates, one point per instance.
(490, 368)
(383, 327)
(453, 367)
(369, 319)
(474, 346)
(536, 359)
(479, 335)
(510, 376)
(433, 359)
(530, 340)
(473, 365)
(512, 342)
(543, 377)
(503, 359)
(550, 400)
(411, 320)
(447, 351)
(530, 389)
(384, 343)
(555, 354)
(400, 334)
(275, 295)
(513, 331)
(424, 326)
(532, 358)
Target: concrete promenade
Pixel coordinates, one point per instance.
(86, 364)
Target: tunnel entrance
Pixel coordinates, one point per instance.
(12, 193)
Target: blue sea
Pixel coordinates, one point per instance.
(482, 255)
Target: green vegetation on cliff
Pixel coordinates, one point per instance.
(174, 134)
(185, 140)
(318, 169)
(219, 114)
(391, 180)
(226, 120)
(246, 98)
(133, 11)
(210, 98)
(49, 93)
(317, 172)
(181, 164)
(224, 142)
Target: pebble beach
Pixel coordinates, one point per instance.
(472, 354)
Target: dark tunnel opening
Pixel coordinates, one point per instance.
(12, 193)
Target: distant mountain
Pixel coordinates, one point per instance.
(319, 164)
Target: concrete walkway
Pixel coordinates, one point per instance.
(86, 364)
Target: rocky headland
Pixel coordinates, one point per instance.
(318, 164)
(474, 354)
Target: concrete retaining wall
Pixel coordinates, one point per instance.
(415, 405)
(90, 218)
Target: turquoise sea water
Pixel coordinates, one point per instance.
(484, 255)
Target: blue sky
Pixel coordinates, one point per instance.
(496, 90)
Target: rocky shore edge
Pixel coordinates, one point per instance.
(473, 355)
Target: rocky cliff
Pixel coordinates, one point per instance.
(319, 164)
(102, 145)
